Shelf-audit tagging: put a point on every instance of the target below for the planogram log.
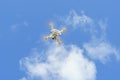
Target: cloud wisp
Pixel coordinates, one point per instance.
(18, 26)
(75, 21)
(101, 51)
(61, 63)
(98, 47)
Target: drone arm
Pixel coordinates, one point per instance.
(47, 37)
(63, 30)
(58, 40)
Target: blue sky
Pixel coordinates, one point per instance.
(23, 23)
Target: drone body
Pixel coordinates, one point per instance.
(55, 33)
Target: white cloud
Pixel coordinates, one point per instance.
(23, 78)
(101, 50)
(84, 22)
(74, 19)
(97, 47)
(62, 63)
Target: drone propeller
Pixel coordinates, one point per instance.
(63, 29)
(51, 25)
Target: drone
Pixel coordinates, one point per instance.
(55, 33)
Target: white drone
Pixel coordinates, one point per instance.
(55, 33)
